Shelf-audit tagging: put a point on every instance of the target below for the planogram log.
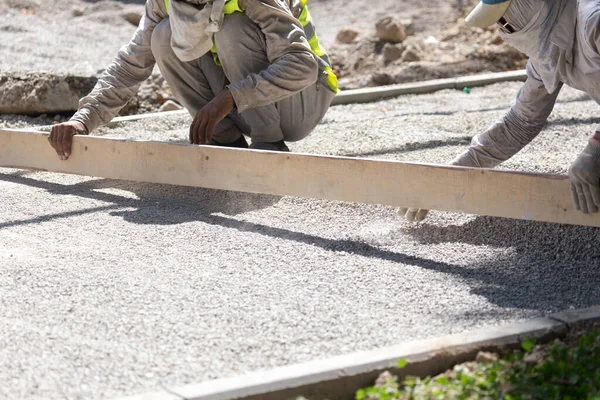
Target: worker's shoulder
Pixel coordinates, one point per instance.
(286, 4)
(587, 9)
(159, 7)
(588, 22)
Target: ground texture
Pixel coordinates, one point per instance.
(112, 288)
(56, 35)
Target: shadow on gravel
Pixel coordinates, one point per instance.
(431, 144)
(506, 107)
(551, 264)
(544, 267)
(157, 204)
(574, 121)
(543, 238)
(168, 205)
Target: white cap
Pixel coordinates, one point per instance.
(487, 13)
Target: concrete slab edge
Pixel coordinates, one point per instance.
(382, 92)
(131, 118)
(338, 378)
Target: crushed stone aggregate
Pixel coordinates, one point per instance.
(111, 288)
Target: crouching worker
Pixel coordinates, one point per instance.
(240, 67)
(562, 40)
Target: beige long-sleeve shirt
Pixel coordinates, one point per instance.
(533, 104)
(293, 65)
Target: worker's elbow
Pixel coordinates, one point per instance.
(314, 70)
(296, 71)
(307, 68)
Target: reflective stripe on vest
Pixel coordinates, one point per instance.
(311, 33)
(232, 6)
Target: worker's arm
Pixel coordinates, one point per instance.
(121, 81)
(585, 177)
(117, 85)
(515, 129)
(589, 18)
(505, 138)
(293, 66)
(585, 170)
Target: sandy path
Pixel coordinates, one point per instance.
(111, 288)
(54, 39)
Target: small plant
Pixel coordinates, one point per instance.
(387, 391)
(555, 371)
(528, 344)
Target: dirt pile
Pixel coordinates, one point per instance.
(395, 51)
(38, 93)
(377, 42)
(154, 95)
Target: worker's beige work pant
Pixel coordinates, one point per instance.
(197, 82)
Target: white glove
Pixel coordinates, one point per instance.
(585, 178)
(413, 214)
(419, 215)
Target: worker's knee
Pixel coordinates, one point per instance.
(239, 36)
(301, 113)
(297, 133)
(160, 42)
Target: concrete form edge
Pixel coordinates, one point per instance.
(131, 118)
(382, 92)
(425, 357)
(367, 95)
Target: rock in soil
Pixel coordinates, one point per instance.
(390, 29)
(409, 26)
(133, 17)
(484, 356)
(410, 55)
(383, 379)
(392, 52)
(170, 105)
(382, 79)
(347, 35)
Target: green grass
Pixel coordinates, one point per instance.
(565, 371)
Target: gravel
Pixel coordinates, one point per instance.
(111, 288)
(53, 35)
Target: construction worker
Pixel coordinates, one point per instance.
(240, 67)
(562, 40)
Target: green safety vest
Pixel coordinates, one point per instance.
(232, 6)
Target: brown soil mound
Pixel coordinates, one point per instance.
(453, 50)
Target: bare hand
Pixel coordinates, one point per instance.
(209, 116)
(61, 136)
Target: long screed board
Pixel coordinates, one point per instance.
(537, 197)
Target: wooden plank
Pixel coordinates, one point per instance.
(517, 195)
